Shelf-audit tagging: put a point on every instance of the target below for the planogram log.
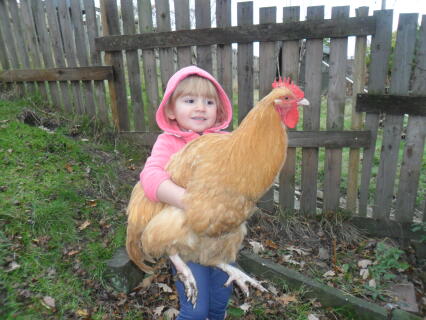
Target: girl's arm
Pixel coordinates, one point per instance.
(170, 193)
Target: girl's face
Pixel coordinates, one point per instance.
(193, 113)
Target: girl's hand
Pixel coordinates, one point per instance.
(170, 193)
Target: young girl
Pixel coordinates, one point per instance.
(193, 104)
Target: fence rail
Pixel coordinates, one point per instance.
(67, 50)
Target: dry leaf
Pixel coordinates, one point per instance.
(312, 317)
(83, 313)
(91, 203)
(286, 299)
(84, 225)
(364, 273)
(73, 252)
(165, 287)
(271, 244)
(257, 247)
(329, 273)
(272, 289)
(158, 311)
(69, 168)
(171, 313)
(245, 307)
(48, 302)
(13, 266)
(300, 252)
(364, 263)
(372, 283)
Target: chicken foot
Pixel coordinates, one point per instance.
(240, 278)
(185, 275)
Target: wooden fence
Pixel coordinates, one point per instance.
(54, 47)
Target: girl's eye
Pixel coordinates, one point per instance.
(210, 102)
(286, 98)
(189, 100)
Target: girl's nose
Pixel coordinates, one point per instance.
(201, 105)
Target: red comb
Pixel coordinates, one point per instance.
(287, 83)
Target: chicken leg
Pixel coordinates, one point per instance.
(240, 278)
(185, 275)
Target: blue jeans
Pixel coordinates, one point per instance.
(212, 296)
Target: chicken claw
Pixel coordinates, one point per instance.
(185, 275)
(240, 278)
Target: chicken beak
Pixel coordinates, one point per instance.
(304, 103)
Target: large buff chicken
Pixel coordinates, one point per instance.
(224, 175)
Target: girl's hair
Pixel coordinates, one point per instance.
(199, 86)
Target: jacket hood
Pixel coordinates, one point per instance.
(172, 127)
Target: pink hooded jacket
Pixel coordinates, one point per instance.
(173, 139)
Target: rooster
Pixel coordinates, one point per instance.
(224, 175)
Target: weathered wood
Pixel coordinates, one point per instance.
(203, 20)
(298, 139)
(328, 296)
(224, 52)
(267, 71)
(245, 63)
(359, 26)
(359, 73)
(45, 46)
(392, 104)
(380, 50)
(311, 115)
(58, 74)
(149, 64)
(290, 68)
(82, 56)
(335, 113)
(95, 59)
(167, 68)
(403, 58)
(117, 88)
(133, 69)
(184, 54)
(69, 51)
(414, 141)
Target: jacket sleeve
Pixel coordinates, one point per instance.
(154, 173)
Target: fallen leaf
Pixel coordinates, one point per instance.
(83, 313)
(271, 244)
(364, 263)
(13, 266)
(171, 313)
(158, 311)
(312, 317)
(69, 168)
(73, 252)
(84, 225)
(165, 287)
(364, 273)
(257, 247)
(91, 203)
(329, 274)
(245, 307)
(48, 302)
(300, 252)
(372, 283)
(272, 289)
(286, 299)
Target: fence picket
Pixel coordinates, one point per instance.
(403, 58)
(224, 52)
(335, 113)
(95, 58)
(380, 50)
(82, 56)
(203, 20)
(311, 116)
(245, 63)
(415, 140)
(133, 69)
(184, 54)
(149, 64)
(290, 68)
(267, 59)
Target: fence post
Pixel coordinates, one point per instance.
(117, 87)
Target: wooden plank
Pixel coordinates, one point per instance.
(133, 69)
(335, 113)
(245, 63)
(149, 64)
(167, 68)
(224, 52)
(184, 54)
(290, 68)
(392, 104)
(95, 59)
(58, 52)
(20, 43)
(45, 46)
(302, 139)
(117, 88)
(82, 56)
(58, 74)
(380, 50)
(359, 73)
(69, 51)
(4, 61)
(311, 115)
(414, 140)
(267, 57)
(203, 20)
(402, 64)
(359, 26)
